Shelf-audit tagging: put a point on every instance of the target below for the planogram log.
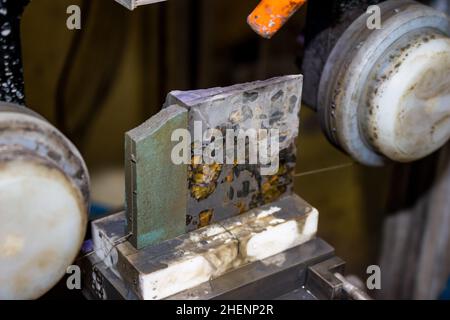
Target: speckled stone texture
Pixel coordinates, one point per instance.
(217, 191)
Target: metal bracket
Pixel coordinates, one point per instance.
(321, 279)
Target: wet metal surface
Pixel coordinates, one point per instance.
(11, 70)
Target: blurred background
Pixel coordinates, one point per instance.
(105, 79)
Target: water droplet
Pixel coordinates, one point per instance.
(5, 29)
(19, 95)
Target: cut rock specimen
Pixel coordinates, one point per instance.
(164, 269)
(219, 191)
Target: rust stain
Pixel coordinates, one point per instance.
(241, 207)
(270, 15)
(230, 177)
(205, 218)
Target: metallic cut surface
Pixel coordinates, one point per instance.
(42, 225)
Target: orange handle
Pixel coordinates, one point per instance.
(270, 15)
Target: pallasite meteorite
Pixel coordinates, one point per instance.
(219, 191)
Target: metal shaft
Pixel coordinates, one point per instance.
(11, 68)
(353, 291)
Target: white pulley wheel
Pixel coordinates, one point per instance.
(42, 227)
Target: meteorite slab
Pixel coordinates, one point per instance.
(220, 191)
(164, 269)
(155, 186)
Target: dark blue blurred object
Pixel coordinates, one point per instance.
(446, 294)
(98, 210)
